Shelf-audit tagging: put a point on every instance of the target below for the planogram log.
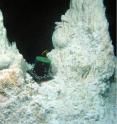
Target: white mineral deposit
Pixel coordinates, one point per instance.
(82, 90)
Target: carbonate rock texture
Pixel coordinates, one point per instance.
(83, 88)
(12, 64)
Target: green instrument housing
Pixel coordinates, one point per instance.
(43, 59)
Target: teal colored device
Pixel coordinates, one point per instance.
(43, 59)
(41, 70)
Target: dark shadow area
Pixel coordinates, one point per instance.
(30, 23)
(111, 17)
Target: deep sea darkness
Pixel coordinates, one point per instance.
(30, 23)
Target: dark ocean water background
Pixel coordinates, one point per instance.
(30, 23)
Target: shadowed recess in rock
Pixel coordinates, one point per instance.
(30, 23)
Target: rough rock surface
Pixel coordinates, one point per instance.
(12, 65)
(83, 64)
